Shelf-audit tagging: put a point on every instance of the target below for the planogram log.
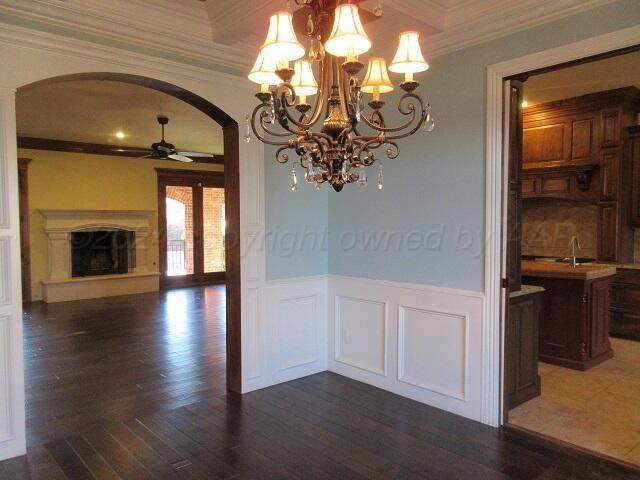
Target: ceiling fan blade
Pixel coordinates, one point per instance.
(196, 154)
(164, 149)
(151, 155)
(180, 158)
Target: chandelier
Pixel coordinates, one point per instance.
(346, 136)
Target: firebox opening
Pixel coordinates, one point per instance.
(102, 252)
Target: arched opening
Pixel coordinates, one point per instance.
(231, 201)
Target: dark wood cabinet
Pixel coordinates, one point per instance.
(574, 320)
(522, 381)
(633, 151)
(625, 304)
(576, 149)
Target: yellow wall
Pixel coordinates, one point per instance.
(80, 181)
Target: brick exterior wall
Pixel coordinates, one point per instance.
(213, 212)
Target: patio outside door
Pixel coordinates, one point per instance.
(191, 227)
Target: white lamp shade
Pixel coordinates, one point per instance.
(281, 43)
(377, 77)
(263, 72)
(409, 57)
(348, 35)
(303, 81)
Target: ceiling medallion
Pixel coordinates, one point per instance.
(346, 135)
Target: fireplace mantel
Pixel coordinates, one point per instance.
(60, 223)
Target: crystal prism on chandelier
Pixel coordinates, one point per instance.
(324, 122)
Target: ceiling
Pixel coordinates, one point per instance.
(92, 111)
(226, 33)
(607, 74)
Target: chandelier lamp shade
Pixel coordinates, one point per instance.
(333, 136)
(348, 37)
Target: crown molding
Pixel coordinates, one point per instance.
(184, 29)
(164, 26)
(473, 23)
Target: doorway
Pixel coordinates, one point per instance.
(191, 221)
(570, 351)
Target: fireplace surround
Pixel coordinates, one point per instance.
(97, 253)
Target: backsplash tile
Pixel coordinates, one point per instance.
(547, 229)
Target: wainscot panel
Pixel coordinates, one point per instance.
(288, 337)
(418, 341)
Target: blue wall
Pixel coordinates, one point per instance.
(428, 221)
(296, 236)
(426, 226)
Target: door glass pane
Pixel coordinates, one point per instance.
(179, 208)
(213, 228)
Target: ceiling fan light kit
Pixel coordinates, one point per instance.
(337, 151)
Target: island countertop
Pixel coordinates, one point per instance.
(589, 271)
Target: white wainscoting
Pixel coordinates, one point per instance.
(418, 341)
(288, 338)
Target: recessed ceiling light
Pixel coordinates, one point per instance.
(120, 135)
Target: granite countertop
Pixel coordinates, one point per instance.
(526, 290)
(589, 271)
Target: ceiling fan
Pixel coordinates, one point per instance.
(165, 150)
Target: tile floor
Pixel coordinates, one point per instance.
(598, 409)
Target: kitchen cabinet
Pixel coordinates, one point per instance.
(633, 150)
(575, 314)
(584, 149)
(522, 381)
(625, 304)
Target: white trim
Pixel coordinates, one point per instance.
(411, 286)
(397, 298)
(494, 258)
(402, 309)
(29, 56)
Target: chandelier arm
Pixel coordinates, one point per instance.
(287, 91)
(255, 130)
(410, 109)
(319, 103)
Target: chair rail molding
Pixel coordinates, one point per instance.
(495, 161)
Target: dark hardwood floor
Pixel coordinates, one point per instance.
(133, 388)
(110, 359)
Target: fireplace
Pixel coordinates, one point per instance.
(98, 253)
(102, 252)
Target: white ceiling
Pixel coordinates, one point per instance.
(226, 33)
(598, 76)
(92, 111)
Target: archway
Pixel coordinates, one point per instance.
(232, 201)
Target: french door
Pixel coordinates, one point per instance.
(191, 226)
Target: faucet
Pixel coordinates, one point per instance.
(573, 244)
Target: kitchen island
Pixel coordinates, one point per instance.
(574, 318)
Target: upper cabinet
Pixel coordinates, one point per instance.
(584, 149)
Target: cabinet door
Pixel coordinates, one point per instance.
(610, 168)
(599, 307)
(610, 128)
(544, 144)
(607, 226)
(634, 156)
(582, 139)
(521, 350)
